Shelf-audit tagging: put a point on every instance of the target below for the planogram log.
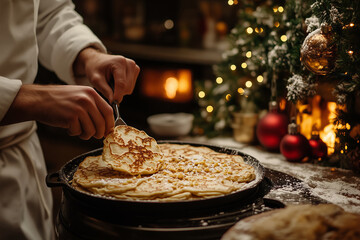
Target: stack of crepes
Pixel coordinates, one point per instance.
(133, 166)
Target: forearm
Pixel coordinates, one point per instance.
(79, 109)
(81, 60)
(24, 106)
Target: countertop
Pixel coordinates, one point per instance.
(333, 185)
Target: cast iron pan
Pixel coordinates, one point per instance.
(107, 206)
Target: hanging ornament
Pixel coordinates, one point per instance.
(318, 147)
(272, 128)
(318, 51)
(294, 146)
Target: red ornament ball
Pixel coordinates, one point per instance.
(271, 129)
(318, 148)
(294, 147)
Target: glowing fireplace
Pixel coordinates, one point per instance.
(172, 85)
(318, 115)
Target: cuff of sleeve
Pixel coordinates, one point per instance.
(68, 47)
(9, 88)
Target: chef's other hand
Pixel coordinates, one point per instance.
(101, 68)
(79, 109)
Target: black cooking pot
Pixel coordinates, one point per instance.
(109, 208)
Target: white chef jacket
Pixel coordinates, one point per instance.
(30, 30)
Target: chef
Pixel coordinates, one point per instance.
(49, 31)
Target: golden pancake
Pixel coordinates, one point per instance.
(187, 172)
(132, 151)
(96, 176)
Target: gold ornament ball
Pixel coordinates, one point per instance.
(317, 53)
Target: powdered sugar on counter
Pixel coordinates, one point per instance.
(337, 186)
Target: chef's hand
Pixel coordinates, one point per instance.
(79, 109)
(101, 68)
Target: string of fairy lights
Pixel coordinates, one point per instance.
(244, 65)
(249, 54)
(233, 67)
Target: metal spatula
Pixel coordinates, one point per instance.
(118, 119)
(115, 106)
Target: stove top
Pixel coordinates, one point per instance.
(275, 191)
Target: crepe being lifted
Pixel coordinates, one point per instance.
(132, 151)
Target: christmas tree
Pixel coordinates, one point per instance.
(242, 82)
(264, 49)
(296, 46)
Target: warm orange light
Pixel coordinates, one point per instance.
(169, 24)
(241, 91)
(219, 80)
(321, 116)
(328, 134)
(221, 28)
(282, 104)
(283, 38)
(173, 85)
(248, 84)
(184, 82)
(248, 54)
(260, 78)
(201, 94)
(249, 30)
(348, 26)
(305, 121)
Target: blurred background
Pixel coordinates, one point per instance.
(174, 43)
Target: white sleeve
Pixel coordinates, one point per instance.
(61, 36)
(9, 88)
